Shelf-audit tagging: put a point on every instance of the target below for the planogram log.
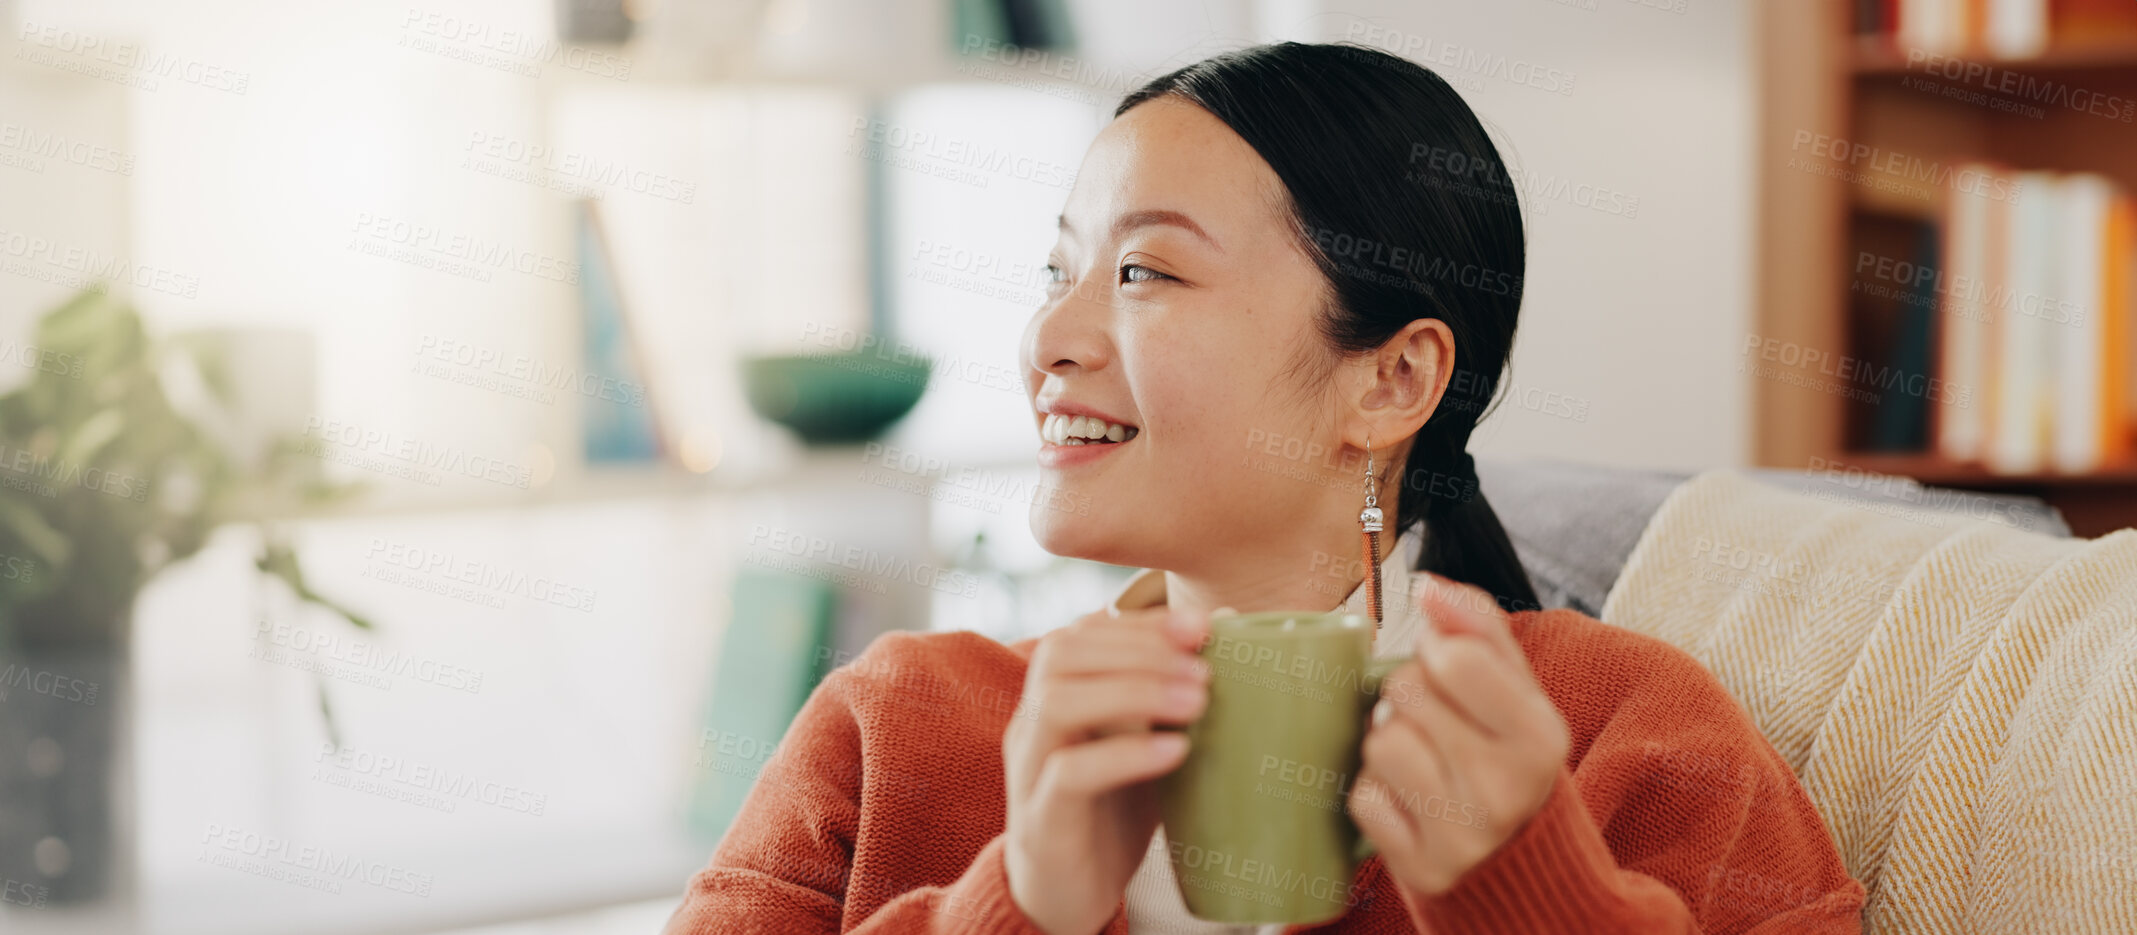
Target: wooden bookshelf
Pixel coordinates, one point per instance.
(1875, 55)
(1822, 81)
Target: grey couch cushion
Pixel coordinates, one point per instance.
(1574, 525)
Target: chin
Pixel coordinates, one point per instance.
(1073, 535)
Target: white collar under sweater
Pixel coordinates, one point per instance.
(1153, 896)
(1399, 613)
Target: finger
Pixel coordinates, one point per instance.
(1408, 720)
(1372, 806)
(1073, 710)
(1454, 608)
(1101, 651)
(1473, 680)
(1097, 767)
(1459, 746)
(1186, 629)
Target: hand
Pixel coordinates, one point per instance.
(1464, 745)
(1081, 803)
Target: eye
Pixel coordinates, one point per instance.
(1128, 273)
(1055, 274)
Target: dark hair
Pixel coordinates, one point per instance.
(1403, 202)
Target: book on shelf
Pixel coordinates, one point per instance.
(2002, 29)
(2035, 305)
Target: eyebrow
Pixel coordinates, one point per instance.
(1146, 218)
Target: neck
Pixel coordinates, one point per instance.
(1317, 572)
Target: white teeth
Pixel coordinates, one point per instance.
(1078, 430)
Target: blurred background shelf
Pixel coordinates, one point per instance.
(1931, 469)
(1859, 136)
(1878, 56)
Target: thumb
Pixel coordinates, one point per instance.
(1455, 609)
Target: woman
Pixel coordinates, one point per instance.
(1277, 266)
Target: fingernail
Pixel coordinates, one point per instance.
(1382, 711)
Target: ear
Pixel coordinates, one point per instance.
(1396, 388)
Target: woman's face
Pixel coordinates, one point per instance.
(1182, 305)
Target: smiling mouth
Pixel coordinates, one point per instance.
(1084, 430)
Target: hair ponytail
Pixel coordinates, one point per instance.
(1403, 202)
(1463, 538)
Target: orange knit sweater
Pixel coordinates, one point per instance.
(882, 810)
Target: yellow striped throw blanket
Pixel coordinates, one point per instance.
(1959, 697)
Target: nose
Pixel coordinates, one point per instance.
(1067, 334)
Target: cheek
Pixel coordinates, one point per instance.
(1217, 404)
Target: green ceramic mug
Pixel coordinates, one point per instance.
(1256, 818)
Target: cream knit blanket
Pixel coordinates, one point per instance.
(1959, 697)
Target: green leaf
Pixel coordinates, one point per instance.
(326, 712)
(355, 619)
(280, 561)
(89, 440)
(50, 545)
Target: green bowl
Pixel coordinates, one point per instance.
(831, 399)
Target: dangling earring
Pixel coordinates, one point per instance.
(1369, 520)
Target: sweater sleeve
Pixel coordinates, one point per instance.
(783, 866)
(1679, 818)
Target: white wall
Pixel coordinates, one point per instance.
(1635, 318)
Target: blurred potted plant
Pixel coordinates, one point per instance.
(103, 483)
